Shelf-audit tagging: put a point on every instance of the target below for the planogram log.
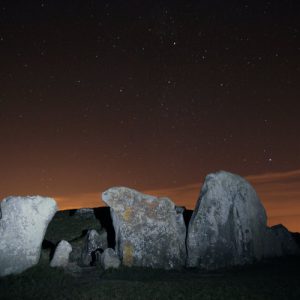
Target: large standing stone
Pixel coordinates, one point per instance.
(61, 254)
(94, 242)
(23, 224)
(149, 231)
(228, 225)
(109, 259)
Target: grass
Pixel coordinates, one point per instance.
(264, 281)
(278, 279)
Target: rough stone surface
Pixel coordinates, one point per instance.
(61, 254)
(149, 231)
(228, 225)
(23, 224)
(109, 259)
(280, 242)
(94, 243)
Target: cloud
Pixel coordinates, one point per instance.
(279, 192)
(275, 177)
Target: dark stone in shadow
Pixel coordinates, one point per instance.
(96, 254)
(103, 215)
(49, 245)
(72, 212)
(296, 236)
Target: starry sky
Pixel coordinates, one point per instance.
(152, 95)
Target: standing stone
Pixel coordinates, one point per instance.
(23, 224)
(149, 231)
(109, 259)
(94, 243)
(228, 225)
(61, 254)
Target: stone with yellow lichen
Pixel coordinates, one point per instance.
(149, 230)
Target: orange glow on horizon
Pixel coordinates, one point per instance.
(279, 192)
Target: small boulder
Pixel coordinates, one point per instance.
(23, 224)
(228, 225)
(149, 231)
(109, 259)
(61, 254)
(95, 243)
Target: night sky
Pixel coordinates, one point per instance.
(152, 95)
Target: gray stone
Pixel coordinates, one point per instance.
(61, 254)
(228, 225)
(109, 259)
(94, 243)
(23, 224)
(149, 232)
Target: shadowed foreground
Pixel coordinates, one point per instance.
(276, 280)
(273, 279)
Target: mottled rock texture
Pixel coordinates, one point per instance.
(23, 224)
(228, 225)
(109, 259)
(61, 254)
(149, 231)
(93, 242)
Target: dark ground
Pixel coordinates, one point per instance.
(273, 279)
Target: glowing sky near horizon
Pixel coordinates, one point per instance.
(152, 96)
(279, 193)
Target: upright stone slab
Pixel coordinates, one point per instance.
(93, 242)
(23, 224)
(228, 225)
(61, 254)
(149, 231)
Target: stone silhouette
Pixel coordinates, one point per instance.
(280, 242)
